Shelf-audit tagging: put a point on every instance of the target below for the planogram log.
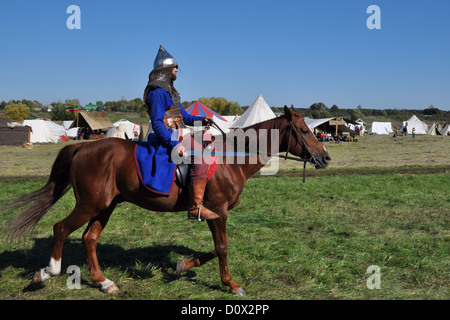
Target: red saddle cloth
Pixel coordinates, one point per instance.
(212, 167)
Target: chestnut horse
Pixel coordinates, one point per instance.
(103, 173)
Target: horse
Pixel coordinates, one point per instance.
(103, 174)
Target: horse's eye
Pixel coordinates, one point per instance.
(305, 131)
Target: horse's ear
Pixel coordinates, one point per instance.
(288, 113)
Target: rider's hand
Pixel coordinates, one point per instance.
(207, 121)
(180, 149)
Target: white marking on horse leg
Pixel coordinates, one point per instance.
(105, 284)
(54, 267)
(43, 275)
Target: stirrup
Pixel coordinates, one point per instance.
(199, 209)
(199, 217)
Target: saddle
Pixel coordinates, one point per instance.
(182, 174)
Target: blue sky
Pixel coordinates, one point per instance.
(292, 52)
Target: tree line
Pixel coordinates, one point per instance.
(19, 110)
(320, 110)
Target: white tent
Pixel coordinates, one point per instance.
(414, 122)
(56, 129)
(115, 133)
(381, 128)
(313, 123)
(435, 129)
(40, 132)
(360, 123)
(71, 133)
(129, 128)
(445, 130)
(123, 129)
(258, 112)
(224, 125)
(231, 119)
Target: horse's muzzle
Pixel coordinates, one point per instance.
(320, 161)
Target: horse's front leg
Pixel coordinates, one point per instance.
(218, 230)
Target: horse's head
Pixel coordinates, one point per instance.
(301, 142)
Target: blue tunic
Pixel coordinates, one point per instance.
(153, 160)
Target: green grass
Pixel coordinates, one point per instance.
(384, 151)
(287, 240)
(382, 201)
(371, 153)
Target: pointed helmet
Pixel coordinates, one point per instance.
(163, 58)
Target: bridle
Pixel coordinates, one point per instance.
(293, 128)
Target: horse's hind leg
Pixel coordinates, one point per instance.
(90, 240)
(218, 230)
(61, 231)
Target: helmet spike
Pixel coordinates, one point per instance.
(163, 58)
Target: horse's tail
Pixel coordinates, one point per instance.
(43, 199)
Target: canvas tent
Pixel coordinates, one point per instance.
(435, 129)
(259, 111)
(223, 125)
(13, 133)
(414, 122)
(327, 125)
(123, 129)
(314, 123)
(93, 120)
(445, 130)
(381, 128)
(199, 109)
(40, 132)
(71, 133)
(58, 130)
(131, 129)
(360, 123)
(231, 119)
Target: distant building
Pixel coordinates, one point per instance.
(92, 107)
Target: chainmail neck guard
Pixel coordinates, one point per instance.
(161, 77)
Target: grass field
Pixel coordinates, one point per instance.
(287, 240)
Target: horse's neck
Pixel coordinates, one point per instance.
(265, 147)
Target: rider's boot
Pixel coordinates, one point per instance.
(195, 209)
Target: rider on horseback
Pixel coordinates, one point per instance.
(167, 115)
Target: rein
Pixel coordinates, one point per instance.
(311, 159)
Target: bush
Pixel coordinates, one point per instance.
(16, 111)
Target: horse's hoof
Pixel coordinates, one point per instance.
(239, 292)
(36, 277)
(180, 267)
(112, 289)
(41, 276)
